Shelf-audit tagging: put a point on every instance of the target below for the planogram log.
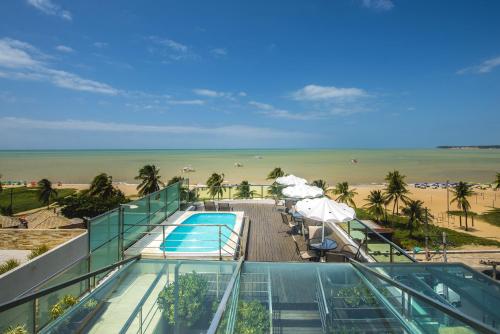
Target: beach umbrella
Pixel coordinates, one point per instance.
(290, 180)
(302, 191)
(325, 210)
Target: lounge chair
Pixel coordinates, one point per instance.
(209, 206)
(314, 234)
(225, 207)
(310, 255)
(289, 205)
(284, 219)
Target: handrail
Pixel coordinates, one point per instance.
(402, 251)
(223, 303)
(442, 307)
(41, 293)
(322, 291)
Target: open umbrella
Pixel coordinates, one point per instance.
(290, 180)
(325, 210)
(302, 191)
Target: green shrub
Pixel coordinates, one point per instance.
(38, 251)
(62, 305)
(19, 329)
(252, 318)
(8, 265)
(191, 304)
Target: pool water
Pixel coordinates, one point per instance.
(190, 238)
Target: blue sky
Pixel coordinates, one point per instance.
(230, 74)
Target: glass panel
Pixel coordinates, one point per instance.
(104, 255)
(172, 199)
(103, 228)
(21, 316)
(136, 212)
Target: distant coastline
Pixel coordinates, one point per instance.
(480, 147)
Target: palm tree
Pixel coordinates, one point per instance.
(320, 184)
(461, 191)
(243, 190)
(496, 183)
(1, 188)
(102, 186)
(375, 205)
(186, 194)
(275, 173)
(415, 212)
(150, 180)
(214, 184)
(396, 190)
(345, 195)
(46, 192)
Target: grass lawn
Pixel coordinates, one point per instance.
(402, 237)
(492, 216)
(24, 198)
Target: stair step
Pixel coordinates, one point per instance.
(301, 330)
(298, 315)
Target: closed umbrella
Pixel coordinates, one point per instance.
(325, 210)
(302, 191)
(290, 180)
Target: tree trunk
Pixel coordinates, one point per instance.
(466, 226)
(394, 207)
(460, 220)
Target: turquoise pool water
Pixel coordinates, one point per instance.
(190, 238)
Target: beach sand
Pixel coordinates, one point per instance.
(435, 201)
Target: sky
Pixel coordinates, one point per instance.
(249, 74)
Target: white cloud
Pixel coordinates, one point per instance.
(22, 61)
(100, 45)
(172, 49)
(242, 94)
(231, 131)
(270, 111)
(186, 102)
(218, 52)
(50, 8)
(211, 93)
(327, 93)
(382, 5)
(64, 48)
(485, 67)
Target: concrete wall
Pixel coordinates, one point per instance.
(31, 238)
(25, 277)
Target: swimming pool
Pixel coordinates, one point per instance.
(190, 237)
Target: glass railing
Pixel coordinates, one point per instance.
(374, 244)
(234, 192)
(111, 233)
(34, 312)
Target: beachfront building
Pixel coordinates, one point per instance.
(242, 266)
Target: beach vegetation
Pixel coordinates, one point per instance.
(62, 305)
(102, 196)
(1, 187)
(150, 179)
(275, 173)
(274, 190)
(396, 190)
(45, 192)
(344, 193)
(376, 203)
(496, 183)
(8, 265)
(320, 184)
(252, 318)
(24, 199)
(186, 194)
(461, 192)
(492, 216)
(214, 184)
(243, 190)
(37, 251)
(416, 214)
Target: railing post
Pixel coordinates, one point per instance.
(230, 192)
(148, 201)
(349, 228)
(140, 320)
(164, 241)
(262, 191)
(220, 245)
(120, 232)
(179, 195)
(391, 258)
(34, 314)
(166, 202)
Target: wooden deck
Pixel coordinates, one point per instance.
(269, 240)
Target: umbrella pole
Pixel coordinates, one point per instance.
(323, 233)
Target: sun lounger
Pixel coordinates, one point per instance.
(209, 206)
(225, 207)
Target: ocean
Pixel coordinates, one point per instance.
(332, 165)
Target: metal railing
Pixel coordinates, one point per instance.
(375, 244)
(409, 293)
(34, 299)
(227, 241)
(234, 191)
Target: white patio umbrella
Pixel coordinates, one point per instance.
(325, 210)
(290, 180)
(302, 191)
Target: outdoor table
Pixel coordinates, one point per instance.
(322, 247)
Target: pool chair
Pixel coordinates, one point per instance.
(288, 222)
(209, 206)
(314, 234)
(225, 207)
(309, 255)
